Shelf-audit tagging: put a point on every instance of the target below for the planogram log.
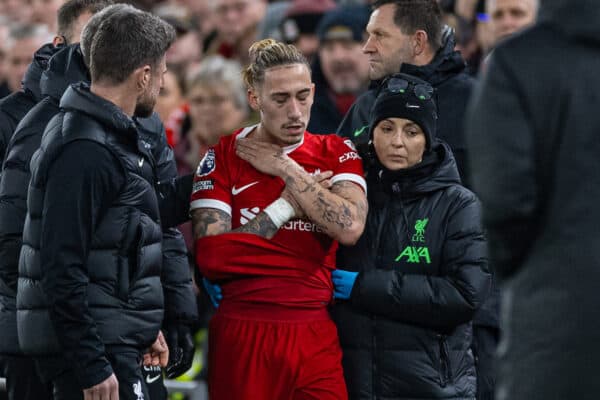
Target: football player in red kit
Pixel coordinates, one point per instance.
(269, 205)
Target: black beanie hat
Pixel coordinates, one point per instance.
(404, 96)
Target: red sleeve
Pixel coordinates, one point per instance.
(211, 187)
(346, 163)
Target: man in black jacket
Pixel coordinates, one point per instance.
(180, 302)
(407, 36)
(534, 134)
(92, 238)
(22, 378)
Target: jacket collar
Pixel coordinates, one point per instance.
(66, 67)
(78, 97)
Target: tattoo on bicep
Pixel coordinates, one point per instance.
(260, 225)
(210, 221)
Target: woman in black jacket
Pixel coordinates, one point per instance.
(408, 290)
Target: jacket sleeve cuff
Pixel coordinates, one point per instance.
(94, 373)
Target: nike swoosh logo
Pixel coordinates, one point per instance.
(235, 191)
(359, 132)
(152, 379)
(141, 162)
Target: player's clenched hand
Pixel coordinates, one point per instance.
(105, 390)
(158, 353)
(267, 158)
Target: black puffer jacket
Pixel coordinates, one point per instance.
(124, 294)
(180, 300)
(14, 107)
(406, 330)
(65, 68)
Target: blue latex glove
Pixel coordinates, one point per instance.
(214, 292)
(343, 282)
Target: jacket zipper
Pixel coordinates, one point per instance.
(445, 367)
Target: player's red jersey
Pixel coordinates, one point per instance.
(293, 268)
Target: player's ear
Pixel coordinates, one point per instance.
(253, 99)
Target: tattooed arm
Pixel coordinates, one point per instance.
(341, 211)
(211, 221)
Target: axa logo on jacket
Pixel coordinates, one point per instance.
(417, 254)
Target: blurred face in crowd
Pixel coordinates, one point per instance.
(344, 65)
(153, 82)
(44, 12)
(236, 18)
(308, 44)
(18, 57)
(15, 10)
(186, 50)
(284, 100)
(509, 16)
(170, 96)
(387, 47)
(214, 111)
(399, 143)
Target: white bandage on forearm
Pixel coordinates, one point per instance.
(280, 211)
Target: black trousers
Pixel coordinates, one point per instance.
(154, 382)
(485, 341)
(22, 379)
(128, 370)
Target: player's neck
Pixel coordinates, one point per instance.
(262, 134)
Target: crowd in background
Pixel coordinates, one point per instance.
(204, 96)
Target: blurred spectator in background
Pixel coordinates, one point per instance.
(533, 133)
(466, 39)
(23, 41)
(15, 11)
(341, 70)
(509, 16)
(187, 49)
(44, 12)
(171, 95)
(202, 14)
(300, 24)
(218, 105)
(237, 24)
(270, 25)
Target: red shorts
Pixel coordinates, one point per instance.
(274, 360)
